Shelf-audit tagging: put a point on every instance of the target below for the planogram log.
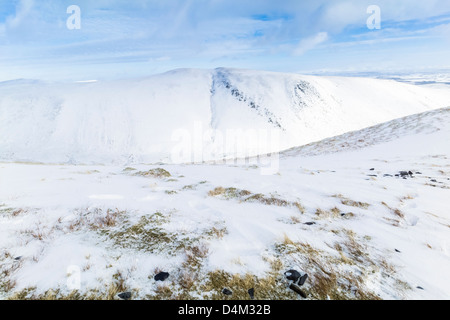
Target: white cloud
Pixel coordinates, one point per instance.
(209, 32)
(310, 43)
(22, 10)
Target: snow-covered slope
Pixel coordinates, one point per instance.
(408, 135)
(207, 114)
(335, 210)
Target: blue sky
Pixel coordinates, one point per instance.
(127, 38)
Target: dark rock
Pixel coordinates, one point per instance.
(410, 173)
(433, 180)
(302, 279)
(418, 172)
(396, 250)
(310, 223)
(125, 295)
(388, 175)
(162, 276)
(397, 175)
(18, 258)
(293, 275)
(373, 169)
(227, 292)
(372, 175)
(297, 289)
(404, 173)
(251, 293)
(420, 288)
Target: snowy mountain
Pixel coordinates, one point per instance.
(207, 114)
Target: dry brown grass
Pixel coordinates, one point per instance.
(217, 232)
(332, 213)
(158, 173)
(8, 268)
(39, 232)
(195, 256)
(299, 206)
(295, 220)
(351, 203)
(357, 204)
(395, 211)
(96, 219)
(110, 292)
(247, 196)
(12, 212)
(328, 278)
(146, 235)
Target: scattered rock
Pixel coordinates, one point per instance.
(297, 289)
(293, 275)
(125, 295)
(162, 276)
(227, 292)
(310, 223)
(406, 173)
(251, 293)
(302, 279)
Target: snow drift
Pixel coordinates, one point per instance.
(198, 114)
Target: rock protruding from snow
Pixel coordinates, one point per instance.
(162, 276)
(251, 293)
(125, 295)
(227, 292)
(294, 287)
(292, 275)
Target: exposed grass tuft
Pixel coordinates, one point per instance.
(96, 219)
(158, 173)
(247, 196)
(351, 203)
(395, 211)
(332, 213)
(331, 277)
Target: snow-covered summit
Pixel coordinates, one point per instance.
(145, 120)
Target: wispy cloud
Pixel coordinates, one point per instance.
(23, 9)
(310, 43)
(282, 35)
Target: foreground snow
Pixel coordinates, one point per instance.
(374, 235)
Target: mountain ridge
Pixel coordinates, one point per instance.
(139, 120)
